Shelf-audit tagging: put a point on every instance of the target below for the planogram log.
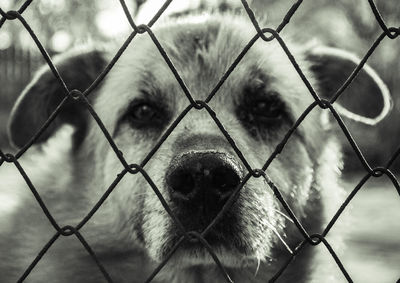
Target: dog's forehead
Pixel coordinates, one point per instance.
(202, 51)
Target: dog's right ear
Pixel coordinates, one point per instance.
(44, 93)
(366, 99)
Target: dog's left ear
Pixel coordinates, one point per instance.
(366, 99)
(78, 68)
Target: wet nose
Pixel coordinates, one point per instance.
(204, 179)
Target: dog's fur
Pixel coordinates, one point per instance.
(72, 164)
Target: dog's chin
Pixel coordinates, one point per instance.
(230, 252)
(200, 256)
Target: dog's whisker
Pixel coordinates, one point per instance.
(273, 229)
(258, 266)
(284, 215)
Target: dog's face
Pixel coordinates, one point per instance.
(196, 169)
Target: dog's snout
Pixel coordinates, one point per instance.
(205, 178)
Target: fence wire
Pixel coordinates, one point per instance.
(266, 34)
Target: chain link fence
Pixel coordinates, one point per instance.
(265, 34)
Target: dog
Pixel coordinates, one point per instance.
(195, 169)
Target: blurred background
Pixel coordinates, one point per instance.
(374, 237)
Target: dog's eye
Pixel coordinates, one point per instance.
(144, 114)
(267, 110)
(262, 112)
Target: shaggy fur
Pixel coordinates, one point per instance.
(73, 164)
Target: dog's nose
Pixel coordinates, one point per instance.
(203, 178)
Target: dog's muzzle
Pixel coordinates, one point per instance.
(200, 182)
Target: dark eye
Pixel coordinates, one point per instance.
(267, 109)
(261, 112)
(145, 114)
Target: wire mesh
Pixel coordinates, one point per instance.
(266, 34)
